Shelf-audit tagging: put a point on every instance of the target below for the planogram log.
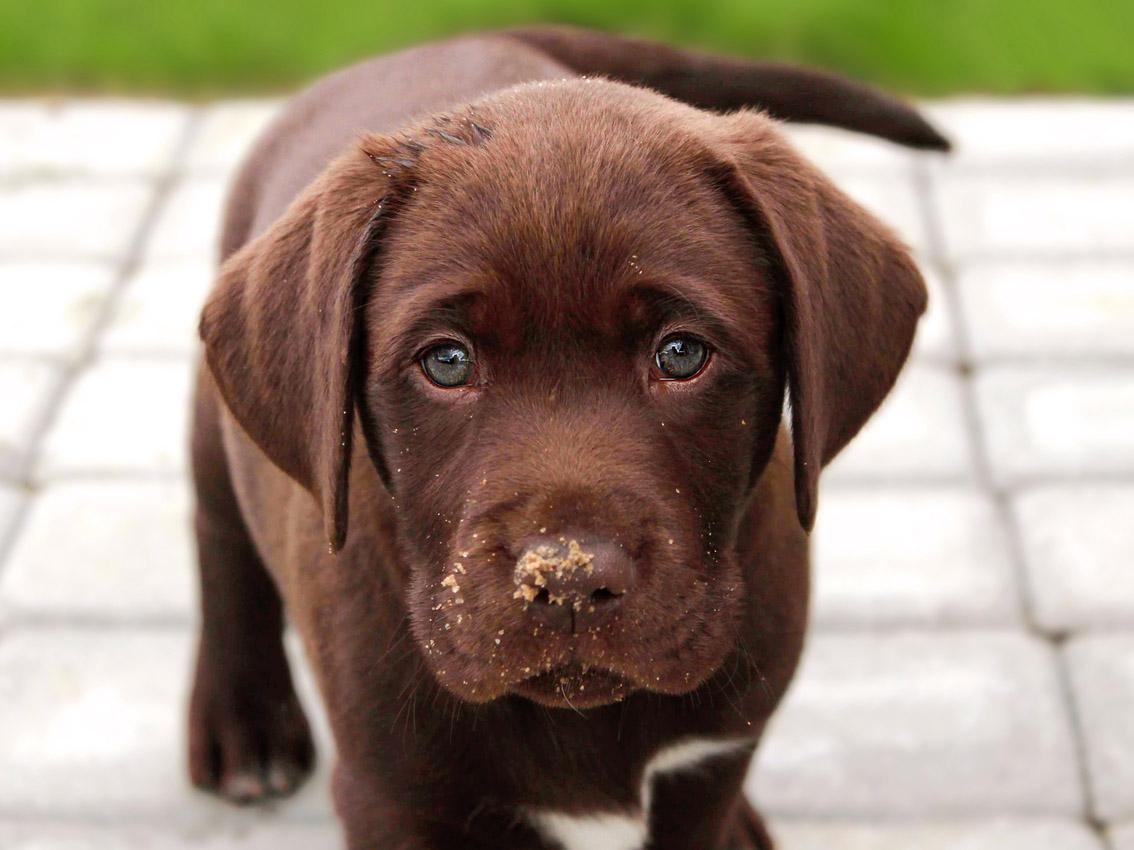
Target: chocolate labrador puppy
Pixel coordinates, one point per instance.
(531, 333)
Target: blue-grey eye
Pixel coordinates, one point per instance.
(681, 357)
(448, 364)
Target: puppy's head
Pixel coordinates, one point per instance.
(567, 318)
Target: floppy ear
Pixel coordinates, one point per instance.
(282, 325)
(850, 293)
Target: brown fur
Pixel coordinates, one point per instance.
(560, 227)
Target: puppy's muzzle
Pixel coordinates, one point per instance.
(572, 586)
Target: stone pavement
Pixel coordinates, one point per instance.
(970, 680)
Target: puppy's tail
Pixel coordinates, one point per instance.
(791, 93)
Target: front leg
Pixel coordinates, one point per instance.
(704, 808)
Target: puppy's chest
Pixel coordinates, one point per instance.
(629, 830)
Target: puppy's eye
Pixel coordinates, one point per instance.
(448, 364)
(681, 357)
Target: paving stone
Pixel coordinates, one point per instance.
(919, 431)
(1029, 215)
(225, 133)
(160, 308)
(72, 219)
(20, 122)
(1122, 837)
(921, 724)
(1017, 133)
(1079, 548)
(1001, 834)
(893, 199)
(121, 416)
(48, 308)
(1102, 674)
(911, 555)
(188, 225)
(841, 151)
(1049, 421)
(251, 833)
(92, 138)
(94, 727)
(9, 503)
(934, 338)
(127, 553)
(1050, 308)
(26, 387)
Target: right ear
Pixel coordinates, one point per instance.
(282, 325)
(849, 291)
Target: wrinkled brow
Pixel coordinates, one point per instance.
(694, 300)
(431, 307)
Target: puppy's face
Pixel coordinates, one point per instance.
(573, 370)
(566, 317)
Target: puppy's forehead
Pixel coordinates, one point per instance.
(551, 199)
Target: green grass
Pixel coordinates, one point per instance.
(207, 47)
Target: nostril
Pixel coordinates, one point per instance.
(603, 594)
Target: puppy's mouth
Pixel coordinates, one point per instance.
(574, 686)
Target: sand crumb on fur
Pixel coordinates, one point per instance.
(538, 563)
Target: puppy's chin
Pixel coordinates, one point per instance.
(575, 687)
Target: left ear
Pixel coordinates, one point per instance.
(850, 291)
(282, 327)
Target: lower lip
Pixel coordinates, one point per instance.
(573, 687)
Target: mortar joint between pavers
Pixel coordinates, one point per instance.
(88, 349)
(1001, 496)
(1075, 718)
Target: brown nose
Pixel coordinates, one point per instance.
(571, 584)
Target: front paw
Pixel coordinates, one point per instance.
(249, 741)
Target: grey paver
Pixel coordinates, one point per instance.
(921, 724)
(72, 219)
(121, 416)
(188, 225)
(159, 309)
(256, 833)
(918, 431)
(9, 502)
(48, 308)
(26, 387)
(226, 131)
(911, 555)
(934, 338)
(1049, 309)
(94, 727)
(1122, 837)
(841, 151)
(1042, 421)
(20, 121)
(893, 200)
(1078, 545)
(1102, 674)
(1037, 132)
(1029, 215)
(1001, 834)
(93, 138)
(126, 553)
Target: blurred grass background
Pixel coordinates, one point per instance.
(209, 47)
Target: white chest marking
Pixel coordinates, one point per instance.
(629, 830)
